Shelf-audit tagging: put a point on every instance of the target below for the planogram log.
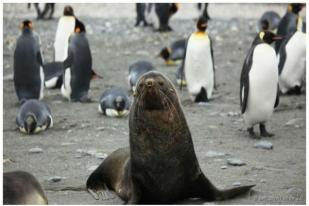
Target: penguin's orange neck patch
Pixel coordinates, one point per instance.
(200, 34)
(77, 30)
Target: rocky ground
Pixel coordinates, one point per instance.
(81, 137)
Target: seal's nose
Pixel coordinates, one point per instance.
(149, 82)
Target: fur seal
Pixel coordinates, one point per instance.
(160, 167)
(22, 188)
(34, 116)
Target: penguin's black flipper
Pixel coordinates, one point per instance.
(277, 97)
(39, 58)
(244, 80)
(182, 67)
(53, 69)
(282, 52)
(69, 60)
(213, 62)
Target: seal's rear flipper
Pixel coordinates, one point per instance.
(233, 192)
(204, 189)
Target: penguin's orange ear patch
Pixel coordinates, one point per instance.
(77, 30)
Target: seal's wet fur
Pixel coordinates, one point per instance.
(160, 167)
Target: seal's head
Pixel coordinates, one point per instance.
(155, 92)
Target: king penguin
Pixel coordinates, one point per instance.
(115, 102)
(175, 52)
(22, 188)
(78, 66)
(136, 70)
(159, 14)
(65, 28)
(28, 62)
(259, 93)
(289, 22)
(33, 117)
(269, 21)
(292, 61)
(199, 64)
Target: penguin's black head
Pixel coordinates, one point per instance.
(268, 37)
(30, 123)
(295, 8)
(264, 25)
(202, 24)
(165, 53)
(79, 26)
(27, 24)
(68, 11)
(173, 8)
(119, 103)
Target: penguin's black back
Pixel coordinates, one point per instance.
(81, 67)
(287, 25)
(27, 61)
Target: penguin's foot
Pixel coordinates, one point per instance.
(264, 132)
(252, 133)
(296, 90)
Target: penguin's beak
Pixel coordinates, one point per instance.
(277, 37)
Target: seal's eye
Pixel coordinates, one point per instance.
(161, 83)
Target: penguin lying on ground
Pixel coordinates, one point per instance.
(22, 188)
(269, 21)
(159, 14)
(198, 64)
(289, 22)
(28, 70)
(34, 116)
(136, 70)
(114, 102)
(292, 61)
(78, 66)
(174, 52)
(259, 92)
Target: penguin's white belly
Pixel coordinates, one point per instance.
(294, 68)
(199, 67)
(65, 28)
(263, 81)
(66, 86)
(42, 83)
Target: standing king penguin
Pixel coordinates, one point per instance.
(199, 64)
(259, 93)
(78, 66)
(28, 62)
(65, 28)
(289, 22)
(292, 61)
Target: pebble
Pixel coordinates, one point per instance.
(235, 162)
(92, 168)
(35, 150)
(215, 154)
(8, 77)
(67, 143)
(262, 181)
(55, 179)
(223, 167)
(235, 184)
(293, 122)
(264, 145)
(212, 127)
(100, 155)
(100, 128)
